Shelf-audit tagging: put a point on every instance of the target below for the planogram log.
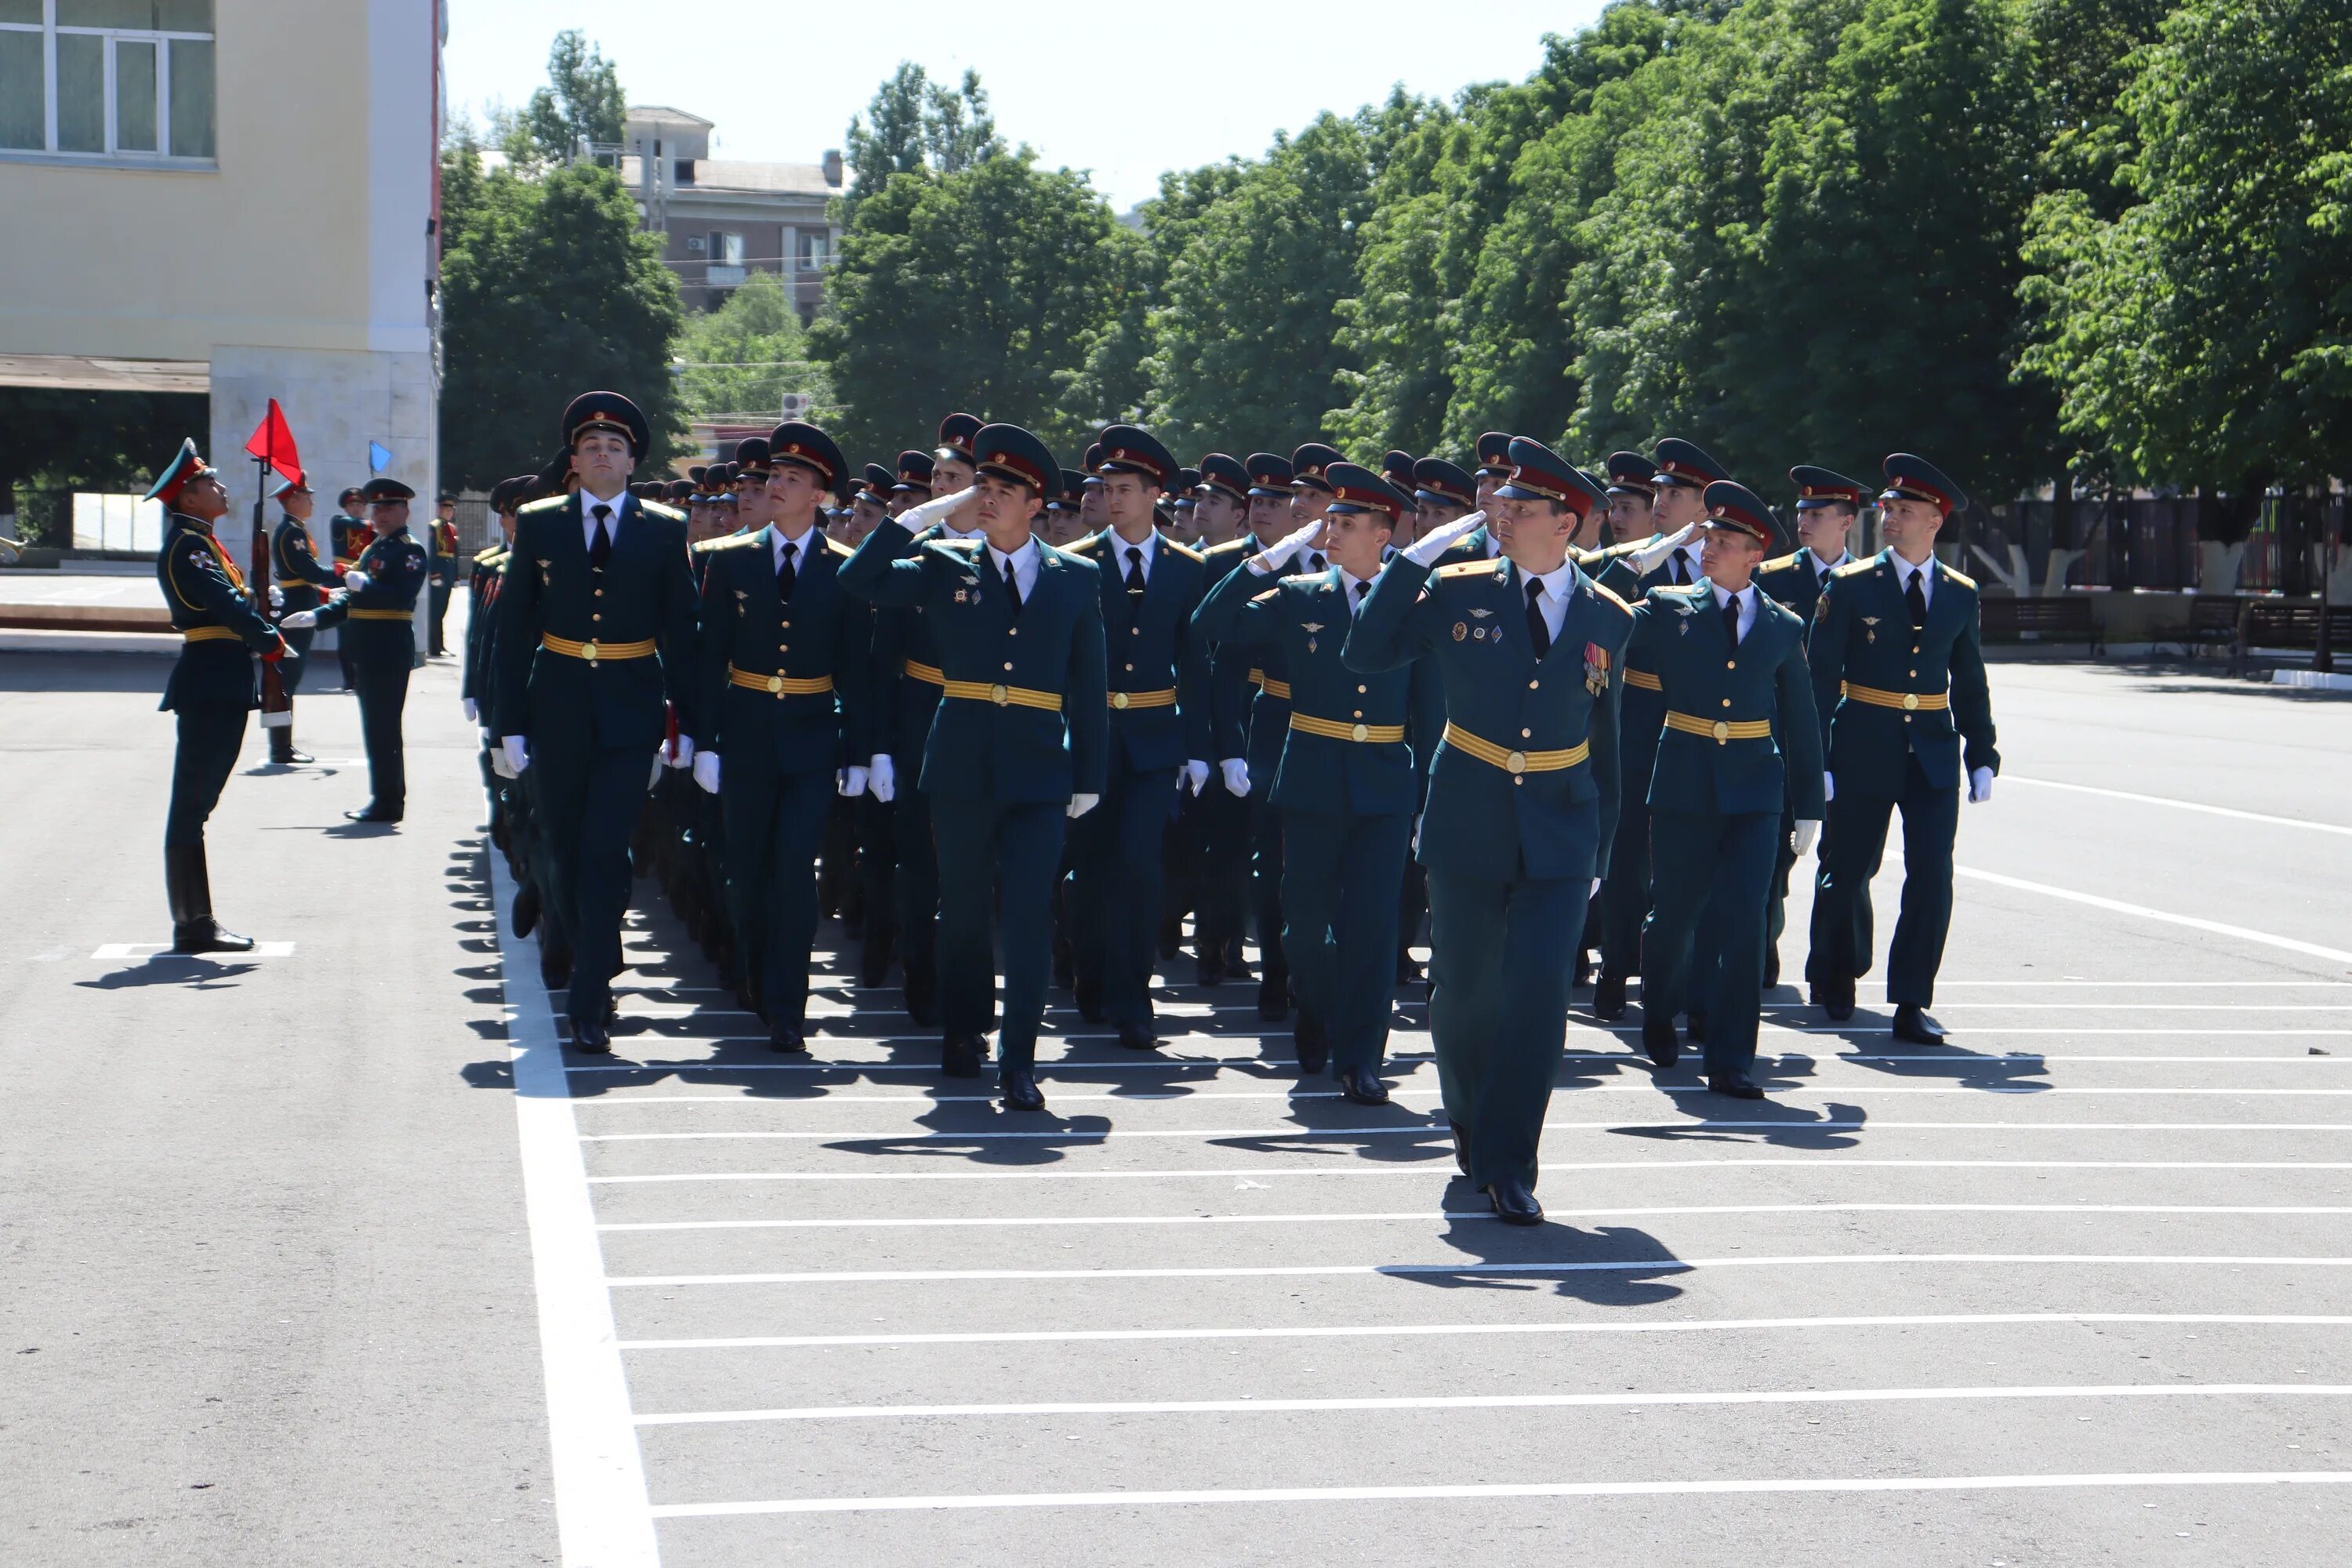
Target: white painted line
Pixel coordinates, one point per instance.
(601, 1506)
(1779, 1092)
(1498, 1402)
(132, 951)
(1533, 1490)
(1424, 1128)
(1424, 1330)
(1472, 1267)
(2197, 805)
(1048, 1222)
(2141, 911)
(1435, 1164)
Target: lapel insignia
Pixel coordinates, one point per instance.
(1482, 614)
(1461, 630)
(1870, 628)
(1310, 628)
(1681, 627)
(742, 593)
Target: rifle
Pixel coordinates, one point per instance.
(277, 707)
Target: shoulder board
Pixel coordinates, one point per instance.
(488, 557)
(1186, 551)
(837, 548)
(1230, 547)
(1603, 591)
(1780, 563)
(1855, 568)
(1622, 549)
(1962, 578)
(545, 503)
(1270, 593)
(1303, 579)
(1081, 546)
(1465, 568)
(957, 544)
(724, 541)
(659, 509)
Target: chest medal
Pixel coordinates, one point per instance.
(1596, 668)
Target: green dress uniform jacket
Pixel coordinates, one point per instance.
(1149, 647)
(211, 687)
(1796, 580)
(303, 583)
(380, 647)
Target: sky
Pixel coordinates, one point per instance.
(1191, 84)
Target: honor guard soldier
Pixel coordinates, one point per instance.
(444, 567)
(1396, 472)
(1494, 454)
(1228, 498)
(1018, 745)
(596, 626)
(1346, 782)
(1896, 661)
(1522, 799)
(348, 532)
(1828, 506)
(1442, 494)
(211, 687)
(782, 699)
(302, 583)
(482, 583)
(377, 607)
(1742, 740)
(1158, 711)
(1633, 488)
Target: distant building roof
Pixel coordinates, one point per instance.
(661, 113)
(724, 174)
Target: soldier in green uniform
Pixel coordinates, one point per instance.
(1019, 740)
(1442, 494)
(442, 562)
(1226, 506)
(596, 627)
(1522, 799)
(302, 583)
(1494, 454)
(1741, 738)
(1348, 781)
(1897, 662)
(211, 689)
(377, 607)
(482, 581)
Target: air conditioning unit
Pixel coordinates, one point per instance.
(798, 405)
(694, 243)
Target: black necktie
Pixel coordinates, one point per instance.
(1314, 561)
(1362, 588)
(784, 573)
(1731, 620)
(1682, 570)
(1537, 632)
(1012, 587)
(1917, 597)
(1135, 569)
(600, 549)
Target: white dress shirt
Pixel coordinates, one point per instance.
(778, 544)
(1821, 569)
(1689, 552)
(1747, 597)
(1925, 571)
(588, 505)
(1023, 565)
(1348, 585)
(1149, 544)
(1559, 586)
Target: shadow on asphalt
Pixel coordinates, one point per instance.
(1608, 1265)
(197, 974)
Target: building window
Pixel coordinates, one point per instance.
(129, 80)
(812, 252)
(726, 250)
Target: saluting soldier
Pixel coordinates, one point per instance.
(1522, 799)
(1442, 493)
(302, 583)
(1897, 662)
(782, 688)
(1018, 744)
(1158, 724)
(1741, 738)
(596, 626)
(211, 689)
(1347, 783)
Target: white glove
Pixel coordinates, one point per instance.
(1646, 560)
(1236, 771)
(915, 519)
(473, 714)
(498, 764)
(299, 621)
(1283, 548)
(518, 752)
(1829, 786)
(1414, 847)
(1980, 785)
(277, 597)
(1082, 804)
(357, 581)
(1196, 773)
(1595, 892)
(1424, 550)
(850, 781)
(706, 770)
(881, 777)
(1806, 833)
(678, 753)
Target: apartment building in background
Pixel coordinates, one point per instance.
(725, 219)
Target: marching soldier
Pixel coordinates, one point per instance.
(595, 625)
(211, 687)
(1228, 504)
(1020, 740)
(1740, 739)
(1522, 799)
(1896, 663)
(444, 567)
(1158, 724)
(378, 601)
(1442, 494)
(302, 585)
(482, 584)
(1346, 785)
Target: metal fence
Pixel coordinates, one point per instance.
(2156, 542)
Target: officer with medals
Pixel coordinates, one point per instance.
(1896, 663)
(1522, 799)
(781, 701)
(1156, 707)
(1828, 506)
(1741, 738)
(302, 583)
(1227, 505)
(1018, 741)
(211, 689)
(377, 607)
(1347, 783)
(597, 627)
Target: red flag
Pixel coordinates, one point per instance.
(273, 443)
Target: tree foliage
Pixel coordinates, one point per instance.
(742, 357)
(582, 101)
(916, 125)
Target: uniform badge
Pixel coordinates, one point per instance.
(1480, 633)
(1821, 607)
(1870, 626)
(1681, 627)
(546, 578)
(1482, 615)
(1310, 628)
(1596, 668)
(1461, 630)
(960, 595)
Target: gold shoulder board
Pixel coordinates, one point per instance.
(1602, 591)
(1186, 551)
(1262, 598)
(545, 503)
(1962, 578)
(660, 509)
(839, 548)
(1465, 568)
(1780, 563)
(1855, 568)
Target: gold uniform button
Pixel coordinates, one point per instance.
(1726, 702)
(1915, 675)
(1722, 732)
(1008, 664)
(1910, 700)
(1527, 734)
(1361, 732)
(1532, 685)
(595, 617)
(1013, 631)
(1119, 700)
(1356, 713)
(600, 593)
(999, 695)
(1516, 762)
(1359, 690)
(783, 647)
(776, 684)
(1134, 631)
(1731, 664)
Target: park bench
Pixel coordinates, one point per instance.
(2065, 619)
(2212, 623)
(2288, 624)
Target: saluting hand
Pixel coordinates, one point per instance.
(1264, 561)
(1424, 550)
(1646, 560)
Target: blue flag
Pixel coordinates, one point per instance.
(378, 457)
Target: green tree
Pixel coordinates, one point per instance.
(110, 442)
(912, 125)
(742, 357)
(582, 101)
(549, 289)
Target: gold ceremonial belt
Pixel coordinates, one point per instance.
(1908, 701)
(925, 672)
(593, 651)
(1142, 698)
(383, 614)
(1721, 729)
(1331, 729)
(1644, 679)
(779, 685)
(295, 582)
(1004, 696)
(1514, 763)
(210, 633)
(1271, 688)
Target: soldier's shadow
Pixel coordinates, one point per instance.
(985, 1134)
(196, 974)
(1609, 1266)
(1833, 1126)
(1993, 1072)
(1387, 1134)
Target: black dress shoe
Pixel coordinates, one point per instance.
(1088, 994)
(204, 934)
(1659, 1041)
(1209, 972)
(525, 909)
(1608, 997)
(786, 1038)
(1695, 1025)
(1514, 1205)
(1409, 973)
(1461, 1148)
(961, 1055)
(1237, 967)
(1835, 997)
(554, 967)
(1019, 1087)
(1274, 998)
(1734, 1084)
(1313, 1045)
(1136, 1036)
(373, 813)
(593, 1036)
(1362, 1086)
(1771, 967)
(1911, 1024)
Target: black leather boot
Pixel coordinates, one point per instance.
(187, 885)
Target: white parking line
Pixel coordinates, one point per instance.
(1424, 1128)
(2305, 823)
(1779, 1091)
(150, 952)
(1400, 1064)
(1435, 1163)
(2142, 911)
(1535, 1489)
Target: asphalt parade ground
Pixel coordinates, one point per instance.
(336, 1255)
